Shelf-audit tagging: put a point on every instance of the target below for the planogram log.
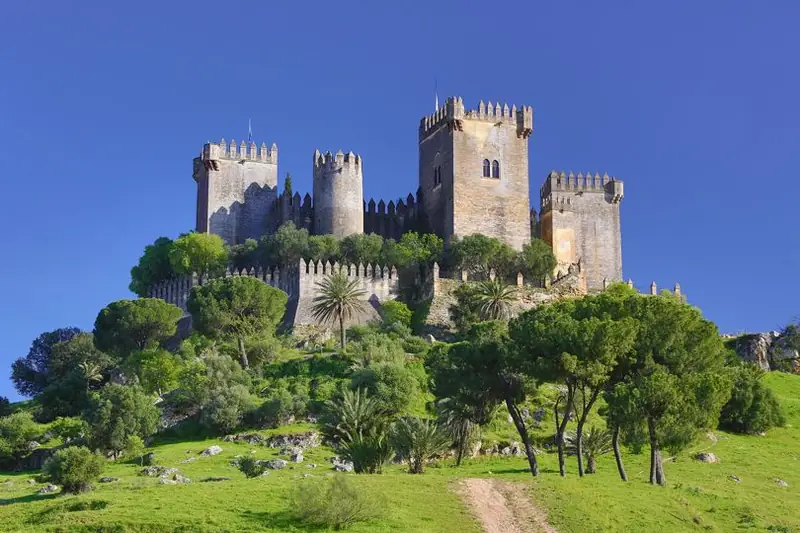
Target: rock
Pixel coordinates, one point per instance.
(308, 475)
(309, 439)
(510, 419)
(158, 471)
(781, 483)
(8, 484)
(706, 457)
(149, 458)
(735, 478)
(48, 489)
(755, 349)
(211, 451)
(32, 445)
(179, 478)
(311, 419)
(476, 449)
(291, 450)
(189, 460)
(712, 437)
(252, 452)
(31, 482)
(167, 482)
(296, 458)
(275, 464)
(214, 479)
(108, 479)
(539, 414)
(265, 473)
(782, 351)
(340, 465)
(311, 465)
(430, 339)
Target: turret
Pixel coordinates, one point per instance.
(338, 194)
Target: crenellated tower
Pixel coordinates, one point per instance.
(236, 185)
(473, 170)
(338, 194)
(580, 220)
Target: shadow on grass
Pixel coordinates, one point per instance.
(283, 521)
(56, 511)
(28, 499)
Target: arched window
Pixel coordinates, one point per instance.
(486, 168)
(495, 169)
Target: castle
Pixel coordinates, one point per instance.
(473, 178)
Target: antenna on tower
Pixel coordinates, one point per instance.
(249, 131)
(436, 93)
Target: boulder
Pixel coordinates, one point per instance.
(476, 449)
(179, 478)
(310, 439)
(158, 471)
(706, 457)
(274, 464)
(31, 482)
(781, 483)
(109, 479)
(782, 351)
(48, 489)
(735, 479)
(211, 451)
(430, 339)
(189, 460)
(148, 458)
(32, 445)
(341, 465)
(311, 465)
(296, 457)
(167, 482)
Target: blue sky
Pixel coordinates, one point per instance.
(103, 105)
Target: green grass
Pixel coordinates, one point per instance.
(700, 497)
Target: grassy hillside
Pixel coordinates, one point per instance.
(699, 496)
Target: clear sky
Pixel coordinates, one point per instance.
(103, 105)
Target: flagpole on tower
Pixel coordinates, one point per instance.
(436, 93)
(249, 131)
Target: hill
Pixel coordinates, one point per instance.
(699, 497)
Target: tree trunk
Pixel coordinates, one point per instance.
(242, 352)
(617, 455)
(342, 333)
(523, 433)
(561, 427)
(460, 448)
(591, 466)
(656, 469)
(587, 407)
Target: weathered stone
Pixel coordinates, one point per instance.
(275, 464)
(189, 460)
(341, 465)
(108, 479)
(755, 349)
(781, 483)
(211, 451)
(32, 445)
(734, 478)
(297, 457)
(430, 338)
(476, 449)
(48, 489)
(706, 457)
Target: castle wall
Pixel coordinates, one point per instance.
(338, 194)
(580, 220)
(235, 188)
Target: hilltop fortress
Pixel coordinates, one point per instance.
(473, 178)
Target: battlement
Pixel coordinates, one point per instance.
(329, 161)
(561, 182)
(215, 151)
(453, 112)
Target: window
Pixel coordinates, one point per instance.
(437, 176)
(495, 169)
(486, 168)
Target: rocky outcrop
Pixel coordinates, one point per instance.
(310, 439)
(770, 351)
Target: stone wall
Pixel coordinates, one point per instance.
(338, 194)
(767, 350)
(580, 220)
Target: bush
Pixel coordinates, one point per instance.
(393, 312)
(73, 468)
(394, 386)
(16, 431)
(280, 407)
(753, 408)
(226, 408)
(69, 429)
(335, 504)
(134, 449)
(415, 345)
(250, 467)
(118, 412)
(5, 406)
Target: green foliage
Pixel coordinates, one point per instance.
(154, 267)
(419, 440)
(413, 249)
(285, 247)
(595, 442)
(5, 406)
(752, 408)
(393, 386)
(287, 185)
(420, 315)
(358, 428)
(236, 307)
(203, 254)
(134, 448)
(280, 407)
(157, 369)
(323, 248)
(251, 467)
(362, 248)
(125, 326)
(16, 431)
(494, 299)
(393, 311)
(335, 504)
(338, 299)
(479, 254)
(465, 312)
(69, 428)
(226, 407)
(245, 255)
(457, 422)
(30, 374)
(537, 260)
(116, 413)
(74, 468)
(198, 380)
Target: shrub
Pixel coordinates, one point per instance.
(752, 408)
(415, 345)
(118, 412)
(280, 407)
(73, 468)
(357, 427)
(69, 429)
(335, 504)
(250, 467)
(393, 385)
(16, 431)
(134, 448)
(226, 408)
(5, 406)
(393, 312)
(419, 440)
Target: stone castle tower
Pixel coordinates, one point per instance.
(338, 194)
(473, 171)
(473, 178)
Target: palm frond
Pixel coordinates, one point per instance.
(336, 294)
(494, 299)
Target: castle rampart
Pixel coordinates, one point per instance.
(338, 194)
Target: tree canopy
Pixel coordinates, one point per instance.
(125, 326)
(203, 254)
(30, 374)
(153, 267)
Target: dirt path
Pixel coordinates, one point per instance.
(503, 507)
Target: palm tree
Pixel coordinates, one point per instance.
(494, 299)
(339, 299)
(595, 442)
(419, 440)
(91, 373)
(359, 431)
(455, 420)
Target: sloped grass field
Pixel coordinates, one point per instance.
(700, 497)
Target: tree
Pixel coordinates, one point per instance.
(30, 373)
(596, 442)
(419, 440)
(323, 248)
(125, 326)
(245, 255)
(481, 373)
(456, 421)
(285, 247)
(287, 185)
(134, 448)
(338, 299)
(157, 369)
(494, 299)
(391, 384)
(394, 312)
(154, 267)
(537, 260)
(753, 407)
(74, 468)
(203, 254)
(479, 255)
(413, 249)
(5, 406)
(226, 408)
(237, 308)
(16, 431)
(362, 248)
(116, 413)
